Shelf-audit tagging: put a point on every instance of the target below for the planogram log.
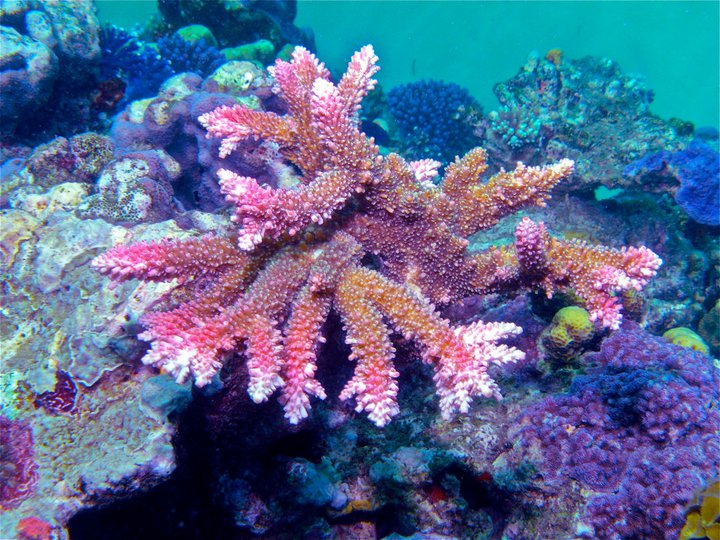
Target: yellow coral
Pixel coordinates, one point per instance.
(702, 519)
(684, 337)
(570, 329)
(576, 320)
(362, 505)
(236, 76)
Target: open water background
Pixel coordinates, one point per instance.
(675, 45)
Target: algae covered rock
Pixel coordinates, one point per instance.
(29, 70)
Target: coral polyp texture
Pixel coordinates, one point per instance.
(367, 236)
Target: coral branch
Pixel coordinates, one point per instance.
(266, 212)
(425, 170)
(596, 274)
(164, 260)
(460, 358)
(299, 349)
(480, 206)
(295, 78)
(373, 385)
(530, 246)
(358, 81)
(237, 123)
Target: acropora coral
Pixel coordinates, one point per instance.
(365, 235)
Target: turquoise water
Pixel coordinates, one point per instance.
(477, 44)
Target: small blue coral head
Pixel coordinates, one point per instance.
(433, 117)
(133, 61)
(196, 57)
(697, 168)
(699, 172)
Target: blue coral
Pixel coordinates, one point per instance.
(698, 170)
(185, 56)
(145, 66)
(434, 118)
(128, 58)
(621, 390)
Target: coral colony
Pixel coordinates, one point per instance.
(366, 235)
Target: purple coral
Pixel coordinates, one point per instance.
(169, 122)
(638, 430)
(18, 470)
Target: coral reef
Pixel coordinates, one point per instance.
(586, 110)
(24, 89)
(253, 20)
(76, 430)
(260, 242)
(299, 253)
(76, 159)
(49, 51)
(168, 121)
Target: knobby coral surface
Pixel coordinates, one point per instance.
(367, 236)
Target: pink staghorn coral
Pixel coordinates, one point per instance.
(300, 252)
(595, 273)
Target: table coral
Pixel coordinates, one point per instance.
(367, 236)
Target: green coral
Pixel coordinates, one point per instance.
(197, 32)
(262, 51)
(235, 76)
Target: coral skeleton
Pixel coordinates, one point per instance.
(368, 236)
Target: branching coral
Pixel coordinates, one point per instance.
(303, 251)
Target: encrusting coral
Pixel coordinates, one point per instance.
(368, 236)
